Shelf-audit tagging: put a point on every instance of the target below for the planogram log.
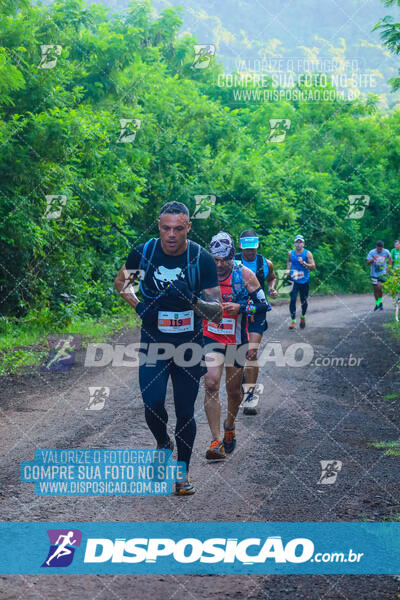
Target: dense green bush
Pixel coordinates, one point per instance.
(60, 134)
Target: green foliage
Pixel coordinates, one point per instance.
(392, 283)
(260, 34)
(391, 448)
(390, 34)
(20, 361)
(60, 135)
(24, 345)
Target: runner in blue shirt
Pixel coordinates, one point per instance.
(299, 264)
(264, 271)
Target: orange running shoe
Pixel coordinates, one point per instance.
(216, 451)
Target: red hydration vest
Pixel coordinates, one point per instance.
(232, 330)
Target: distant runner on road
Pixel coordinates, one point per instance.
(180, 287)
(237, 284)
(378, 258)
(299, 264)
(264, 271)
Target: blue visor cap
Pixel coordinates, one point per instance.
(249, 242)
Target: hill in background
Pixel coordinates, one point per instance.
(249, 33)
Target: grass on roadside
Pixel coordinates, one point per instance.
(24, 345)
(391, 448)
(394, 326)
(391, 397)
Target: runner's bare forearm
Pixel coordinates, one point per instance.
(310, 264)
(271, 283)
(271, 278)
(123, 287)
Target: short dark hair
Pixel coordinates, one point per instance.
(174, 208)
(380, 244)
(248, 233)
(396, 241)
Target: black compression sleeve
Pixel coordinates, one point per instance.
(259, 301)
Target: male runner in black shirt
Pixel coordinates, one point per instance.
(180, 288)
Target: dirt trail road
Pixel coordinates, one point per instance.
(322, 411)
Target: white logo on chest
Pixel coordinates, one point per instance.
(163, 276)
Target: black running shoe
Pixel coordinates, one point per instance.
(167, 446)
(229, 440)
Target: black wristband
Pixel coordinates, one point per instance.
(140, 308)
(243, 307)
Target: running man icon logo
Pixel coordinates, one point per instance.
(251, 395)
(133, 277)
(55, 205)
(50, 54)
(203, 206)
(257, 390)
(202, 55)
(97, 398)
(63, 543)
(129, 129)
(330, 470)
(62, 353)
(279, 128)
(357, 206)
(284, 284)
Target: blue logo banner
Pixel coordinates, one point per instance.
(201, 547)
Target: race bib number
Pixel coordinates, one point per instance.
(175, 322)
(296, 275)
(225, 327)
(380, 262)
